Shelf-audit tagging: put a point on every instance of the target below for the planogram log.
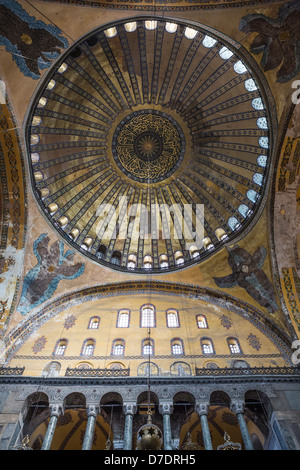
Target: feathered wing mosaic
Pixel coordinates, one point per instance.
(32, 43)
(53, 265)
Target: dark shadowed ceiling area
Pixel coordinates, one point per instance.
(150, 144)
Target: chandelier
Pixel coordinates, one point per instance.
(228, 444)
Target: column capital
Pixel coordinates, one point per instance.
(237, 406)
(56, 409)
(202, 407)
(92, 410)
(129, 408)
(166, 408)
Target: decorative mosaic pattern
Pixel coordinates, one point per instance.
(39, 344)
(225, 321)
(254, 341)
(69, 322)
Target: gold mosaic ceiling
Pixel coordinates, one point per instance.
(149, 144)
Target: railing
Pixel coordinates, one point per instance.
(11, 370)
(249, 371)
(97, 372)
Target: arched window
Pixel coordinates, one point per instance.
(147, 316)
(123, 318)
(88, 347)
(207, 346)
(147, 347)
(201, 321)
(172, 318)
(94, 323)
(234, 345)
(60, 348)
(118, 347)
(176, 346)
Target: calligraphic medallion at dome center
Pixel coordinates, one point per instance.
(148, 146)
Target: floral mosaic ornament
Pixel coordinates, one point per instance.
(39, 344)
(254, 341)
(278, 39)
(69, 322)
(52, 266)
(32, 43)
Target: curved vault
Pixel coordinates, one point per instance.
(145, 133)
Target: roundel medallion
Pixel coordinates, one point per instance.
(148, 146)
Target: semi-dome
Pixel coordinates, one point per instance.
(149, 144)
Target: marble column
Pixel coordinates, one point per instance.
(202, 411)
(166, 409)
(129, 410)
(92, 413)
(55, 412)
(238, 408)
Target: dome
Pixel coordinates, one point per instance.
(149, 144)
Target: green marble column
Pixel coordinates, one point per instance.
(202, 410)
(238, 408)
(92, 413)
(55, 411)
(129, 410)
(166, 409)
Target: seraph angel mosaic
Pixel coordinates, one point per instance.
(278, 40)
(247, 273)
(32, 43)
(52, 266)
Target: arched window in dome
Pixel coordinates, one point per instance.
(190, 33)
(262, 123)
(88, 347)
(61, 347)
(207, 346)
(116, 258)
(201, 321)
(172, 318)
(163, 261)
(147, 347)
(194, 251)
(111, 32)
(148, 262)
(250, 84)
(257, 104)
(208, 41)
(177, 346)
(239, 67)
(234, 346)
(252, 195)
(264, 142)
(130, 27)
(94, 323)
(123, 318)
(101, 251)
(257, 178)
(225, 53)
(262, 160)
(118, 347)
(179, 259)
(131, 261)
(150, 24)
(233, 223)
(243, 210)
(147, 319)
(171, 27)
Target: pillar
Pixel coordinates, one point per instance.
(202, 410)
(129, 410)
(55, 411)
(166, 409)
(238, 408)
(92, 413)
